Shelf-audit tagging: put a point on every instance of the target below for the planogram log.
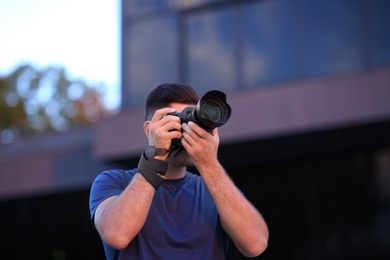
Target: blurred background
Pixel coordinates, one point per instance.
(308, 141)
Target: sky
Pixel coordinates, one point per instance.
(82, 36)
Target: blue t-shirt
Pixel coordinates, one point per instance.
(182, 223)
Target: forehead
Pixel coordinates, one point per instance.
(180, 106)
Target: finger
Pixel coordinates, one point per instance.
(214, 132)
(188, 142)
(188, 131)
(161, 112)
(174, 135)
(188, 138)
(169, 126)
(167, 123)
(196, 129)
(164, 133)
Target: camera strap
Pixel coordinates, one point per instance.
(177, 148)
(149, 169)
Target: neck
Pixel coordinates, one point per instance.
(175, 172)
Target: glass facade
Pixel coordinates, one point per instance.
(379, 32)
(150, 57)
(269, 43)
(331, 36)
(234, 45)
(211, 50)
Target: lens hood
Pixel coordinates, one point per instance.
(212, 110)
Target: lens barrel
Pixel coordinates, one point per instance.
(211, 111)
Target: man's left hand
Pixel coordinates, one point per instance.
(199, 144)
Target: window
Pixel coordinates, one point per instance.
(211, 50)
(379, 23)
(332, 36)
(140, 7)
(269, 43)
(229, 45)
(151, 57)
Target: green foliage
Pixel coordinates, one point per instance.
(33, 101)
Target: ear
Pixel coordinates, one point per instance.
(146, 128)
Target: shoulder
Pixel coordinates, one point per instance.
(115, 177)
(107, 184)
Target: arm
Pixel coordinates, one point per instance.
(239, 218)
(118, 219)
(112, 217)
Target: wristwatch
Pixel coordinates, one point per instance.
(153, 151)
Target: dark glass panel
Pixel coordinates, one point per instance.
(152, 57)
(269, 42)
(211, 48)
(379, 26)
(332, 36)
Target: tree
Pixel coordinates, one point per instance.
(33, 101)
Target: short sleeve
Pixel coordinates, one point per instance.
(107, 184)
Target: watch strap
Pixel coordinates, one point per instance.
(162, 151)
(151, 151)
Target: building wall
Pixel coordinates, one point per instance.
(237, 46)
(44, 191)
(48, 163)
(309, 86)
(307, 143)
(292, 108)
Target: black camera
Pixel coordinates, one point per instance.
(210, 112)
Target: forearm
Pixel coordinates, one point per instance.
(119, 219)
(240, 219)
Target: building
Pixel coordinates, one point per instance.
(308, 141)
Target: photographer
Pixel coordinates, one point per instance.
(159, 210)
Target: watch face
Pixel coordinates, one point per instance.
(150, 152)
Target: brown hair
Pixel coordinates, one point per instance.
(166, 94)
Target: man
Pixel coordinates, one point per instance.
(161, 211)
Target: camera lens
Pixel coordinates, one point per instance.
(210, 112)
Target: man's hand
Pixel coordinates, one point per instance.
(200, 145)
(238, 217)
(161, 130)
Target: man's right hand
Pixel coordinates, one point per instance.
(159, 128)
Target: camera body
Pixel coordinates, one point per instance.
(210, 112)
